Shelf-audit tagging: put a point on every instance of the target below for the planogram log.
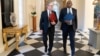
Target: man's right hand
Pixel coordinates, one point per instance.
(41, 31)
(66, 21)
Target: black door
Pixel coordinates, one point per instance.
(6, 9)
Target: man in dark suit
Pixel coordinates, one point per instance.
(68, 25)
(48, 21)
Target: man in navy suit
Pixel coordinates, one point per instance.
(68, 27)
(48, 21)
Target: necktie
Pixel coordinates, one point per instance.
(70, 21)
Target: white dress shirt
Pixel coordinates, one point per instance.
(69, 10)
(48, 12)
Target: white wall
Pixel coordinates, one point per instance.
(1, 38)
(29, 5)
(16, 11)
(39, 5)
(39, 9)
(74, 3)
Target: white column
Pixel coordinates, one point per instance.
(18, 10)
(28, 8)
(85, 11)
(1, 38)
(80, 13)
(21, 16)
(24, 12)
(89, 15)
(38, 10)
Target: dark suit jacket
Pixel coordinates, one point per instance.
(44, 21)
(61, 18)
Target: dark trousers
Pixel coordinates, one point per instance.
(50, 33)
(69, 31)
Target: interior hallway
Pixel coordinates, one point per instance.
(34, 44)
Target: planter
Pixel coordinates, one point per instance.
(34, 23)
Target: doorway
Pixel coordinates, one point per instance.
(6, 9)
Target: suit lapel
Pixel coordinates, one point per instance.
(46, 13)
(73, 11)
(66, 10)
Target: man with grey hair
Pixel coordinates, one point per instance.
(68, 19)
(48, 21)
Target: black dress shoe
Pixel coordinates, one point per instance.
(49, 53)
(45, 49)
(72, 54)
(65, 51)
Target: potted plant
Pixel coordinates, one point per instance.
(33, 12)
(34, 19)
